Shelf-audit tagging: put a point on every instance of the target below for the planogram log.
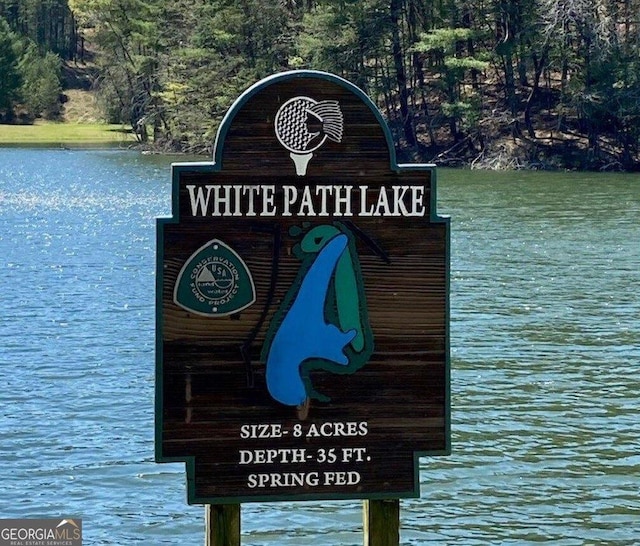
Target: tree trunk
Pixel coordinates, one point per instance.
(401, 75)
(539, 67)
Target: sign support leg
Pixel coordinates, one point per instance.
(222, 525)
(381, 520)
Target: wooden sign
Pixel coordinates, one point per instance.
(302, 304)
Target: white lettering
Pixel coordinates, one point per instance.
(306, 203)
(323, 191)
(272, 430)
(251, 191)
(271, 456)
(382, 207)
(417, 201)
(336, 429)
(321, 200)
(290, 197)
(218, 199)
(237, 211)
(342, 201)
(363, 202)
(399, 208)
(342, 478)
(198, 201)
(268, 201)
(355, 454)
(285, 479)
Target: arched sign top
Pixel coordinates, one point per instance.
(310, 121)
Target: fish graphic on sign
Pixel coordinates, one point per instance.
(303, 124)
(323, 321)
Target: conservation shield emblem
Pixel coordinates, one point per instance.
(214, 281)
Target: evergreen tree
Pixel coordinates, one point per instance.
(9, 74)
(450, 76)
(50, 24)
(127, 34)
(41, 87)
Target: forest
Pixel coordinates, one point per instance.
(485, 83)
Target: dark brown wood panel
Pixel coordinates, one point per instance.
(359, 433)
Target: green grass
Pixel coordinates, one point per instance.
(44, 133)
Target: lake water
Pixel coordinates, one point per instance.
(545, 336)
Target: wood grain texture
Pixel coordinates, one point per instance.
(222, 525)
(381, 520)
(212, 376)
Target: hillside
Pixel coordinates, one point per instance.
(531, 84)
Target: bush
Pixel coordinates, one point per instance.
(41, 87)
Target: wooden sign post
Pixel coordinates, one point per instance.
(302, 307)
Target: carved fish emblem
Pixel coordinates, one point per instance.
(303, 124)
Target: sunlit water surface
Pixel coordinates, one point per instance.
(545, 336)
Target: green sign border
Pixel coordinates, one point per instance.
(216, 166)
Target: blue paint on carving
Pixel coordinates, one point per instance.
(304, 332)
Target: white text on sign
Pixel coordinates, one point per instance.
(228, 200)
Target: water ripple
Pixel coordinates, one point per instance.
(545, 338)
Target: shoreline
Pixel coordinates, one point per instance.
(500, 156)
(106, 145)
(46, 134)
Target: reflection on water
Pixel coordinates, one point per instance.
(545, 277)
